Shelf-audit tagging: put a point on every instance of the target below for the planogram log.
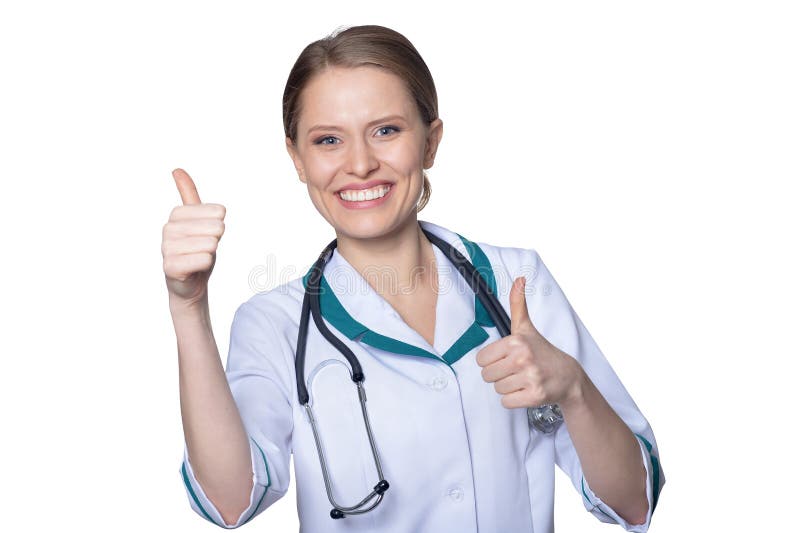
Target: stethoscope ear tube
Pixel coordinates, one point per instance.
(312, 286)
(545, 418)
(311, 307)
(300, 353)
(311, 303)
(476, 283)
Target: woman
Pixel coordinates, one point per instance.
(448, 396)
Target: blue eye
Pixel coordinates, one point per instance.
(388, 128)
(322, 139)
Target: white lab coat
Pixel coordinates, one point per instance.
(455, 458)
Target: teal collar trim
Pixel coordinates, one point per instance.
(333, 311)
(484, 268)
(474, 336)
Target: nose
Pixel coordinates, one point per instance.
(361, 158)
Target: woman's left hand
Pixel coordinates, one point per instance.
(525, 368)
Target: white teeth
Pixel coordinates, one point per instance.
(362, 195)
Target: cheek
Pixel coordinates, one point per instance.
(321, 170)
(404, 158)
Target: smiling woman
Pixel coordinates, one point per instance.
(479, 373)
(352, 162)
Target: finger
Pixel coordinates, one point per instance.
(180, 267)
(509, 384)
(500, 369)
(514, 400)
(191, 245)
(520, 321)
(197, 226)
(492, 352)
(197, 211)
(186, 187)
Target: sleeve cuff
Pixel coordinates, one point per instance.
(605, 513)
(205, 508)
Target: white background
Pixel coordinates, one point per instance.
(647, 150)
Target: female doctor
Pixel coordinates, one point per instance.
(447, 439)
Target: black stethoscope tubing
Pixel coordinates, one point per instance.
(311, 306)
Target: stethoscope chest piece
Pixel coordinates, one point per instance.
(546, 418)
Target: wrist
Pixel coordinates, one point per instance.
(576, 391)
(188, 310)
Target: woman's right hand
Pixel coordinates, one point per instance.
(189, 244)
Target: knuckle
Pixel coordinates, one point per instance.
(539, 394)
(169, 268)
(218, 211)
(515, 341)
(532, 376)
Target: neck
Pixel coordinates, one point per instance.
(393, 263)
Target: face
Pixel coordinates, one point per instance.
(361, 149)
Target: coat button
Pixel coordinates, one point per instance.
(438, 383)
(456, 494)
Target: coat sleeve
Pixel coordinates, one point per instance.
(260, 383)
(555, 318)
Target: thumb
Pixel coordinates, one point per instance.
(520, 321)
(186, 187)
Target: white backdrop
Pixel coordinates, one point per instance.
(646, 150)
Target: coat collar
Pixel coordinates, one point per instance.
(354, 308)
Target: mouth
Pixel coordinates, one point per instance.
(366, 198)
(363, 195)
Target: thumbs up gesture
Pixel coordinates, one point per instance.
(525, 368)
(189, 243)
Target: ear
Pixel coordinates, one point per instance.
(435, 131)
(298, 165)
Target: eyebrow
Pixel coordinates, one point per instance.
(372, 123)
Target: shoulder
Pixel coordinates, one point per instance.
(499, 264)
(547, 304)
(480, 252)
(277, 308)
(506, 262)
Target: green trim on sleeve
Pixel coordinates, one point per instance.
(191, 492)
(583, 489)
(656, 469)
(269, 481)
(197, 500)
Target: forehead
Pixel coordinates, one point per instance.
(352, 96)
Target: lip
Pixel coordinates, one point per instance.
(366, 204)
(365, 185)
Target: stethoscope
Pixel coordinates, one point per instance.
(545, 418)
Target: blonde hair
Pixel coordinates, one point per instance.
(358, 46)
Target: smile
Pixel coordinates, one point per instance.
(365, 194)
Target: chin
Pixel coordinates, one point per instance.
(369, 227)
(364, 227)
